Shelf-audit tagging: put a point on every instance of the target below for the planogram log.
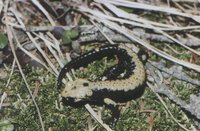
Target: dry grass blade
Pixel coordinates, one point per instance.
(149, 24)
(28, 53)
(24, 50)
(136, 5)
(56, 44)
(38, 47)
(49, 46)
(55, 71)
(36, 3)
(126, 15)
(111, 42)
(3, 97)
(12, 70)
(189, 1)
(135, 20)
(94, 115)
(116, 19)
(123, 14)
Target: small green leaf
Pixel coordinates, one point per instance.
(6, 125)
(3, 41)
(74, 33)
(70, 34)
(66, 39)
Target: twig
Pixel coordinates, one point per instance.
(193, 107)
(176, 72)
(163, 103)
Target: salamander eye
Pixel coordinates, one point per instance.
(85, 84)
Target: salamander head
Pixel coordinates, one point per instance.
(77, 90)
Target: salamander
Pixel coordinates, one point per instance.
(112, 90)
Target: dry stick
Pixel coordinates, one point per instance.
(177, 41)
(179, 74)
(120, 38)
(163, 103)
(82, 27)
(158, 79)
(23, 76)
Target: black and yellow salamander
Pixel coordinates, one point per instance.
(111, 90)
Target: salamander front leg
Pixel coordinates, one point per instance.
(112, 105)
(110, 102)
